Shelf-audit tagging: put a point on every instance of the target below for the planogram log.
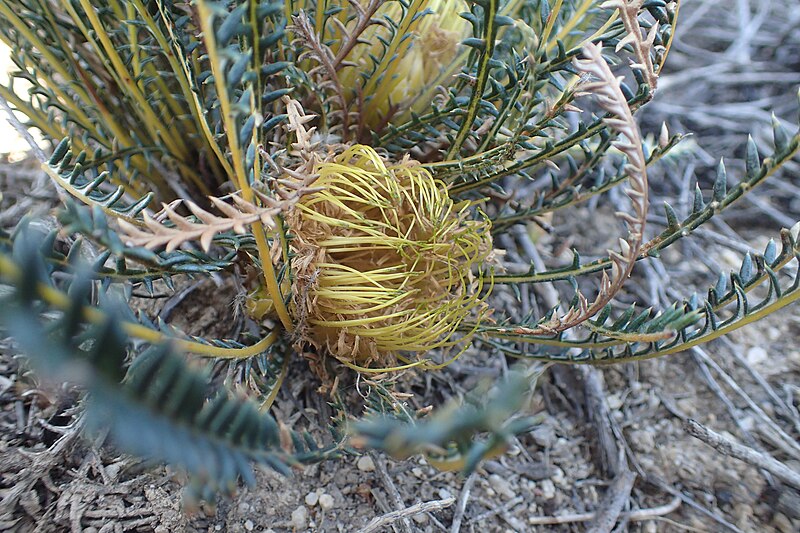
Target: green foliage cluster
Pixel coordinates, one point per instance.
(150, 101)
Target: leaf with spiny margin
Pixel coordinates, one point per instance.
(457, 437)
(91, 180)
(700, 214)
(158, 407)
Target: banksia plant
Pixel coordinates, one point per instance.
(351, 165)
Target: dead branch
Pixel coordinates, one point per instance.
(769, 429)
(638, 515)
(727, 446)
(394, 494)
(421, 507)
(458, 516)
(598, 415)
(611, 507)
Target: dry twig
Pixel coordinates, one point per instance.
(458, 516)
(732, 448)
(771, 429)
(598, 414)
(611, 507)
(394, 494)
(638, 515)
(418, 508)
(39, 468)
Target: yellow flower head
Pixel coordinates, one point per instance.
(419, 56)
(383, 260)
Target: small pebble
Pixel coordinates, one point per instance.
(643, 440)
(112, 471)
(548, 489)
(365, 463)
(781, 523)
(756, 355)
(444, 494)
(614, 401)
(544, 436)
(326, 501)
(312, 498)
(653, 401)
(300, 518)
(420, 518)
(249, 525)
(501, 486)
(687, 405)
(558, 476)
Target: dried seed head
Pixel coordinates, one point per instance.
(383, 260)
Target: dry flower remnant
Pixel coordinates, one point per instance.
(605, 87)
